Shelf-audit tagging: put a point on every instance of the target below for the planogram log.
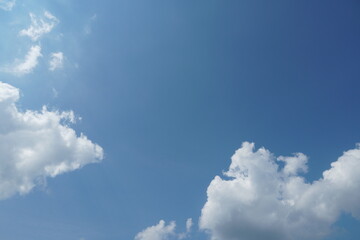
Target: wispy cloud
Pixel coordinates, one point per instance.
(39, 25)
(7, 5)
(25, 66)
(88, 28)
(55, 93)
(35, 145)
(56, 61)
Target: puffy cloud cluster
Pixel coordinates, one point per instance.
(26, 65)
(161, 231)
(36, 145)
(259, 199)
(56, 61)
(39, 26)
(7, 5)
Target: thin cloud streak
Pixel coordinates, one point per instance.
(27, 65)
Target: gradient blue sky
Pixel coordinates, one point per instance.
(170, 89)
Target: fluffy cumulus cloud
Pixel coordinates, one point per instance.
(7, 5)
(35, 145)
(26, 65)
(56, 61)
(264, 197)
(161, 231)
(39, 26)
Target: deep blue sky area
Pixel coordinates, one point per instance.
(170, 89)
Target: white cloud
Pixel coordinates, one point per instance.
(25, 66)
(35, 145)
(56, 61)
(161, 231)
(189, 224)
(7, 5)
(39, 26)
(186, 234)
(295, 164)
(260, 200)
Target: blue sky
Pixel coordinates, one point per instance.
(165, 93)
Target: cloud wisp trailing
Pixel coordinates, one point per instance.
(260, 200)
(26, 65)
(56, 61)
(35, 145)
(7, 5)
(39, 26)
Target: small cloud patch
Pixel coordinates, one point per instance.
(25, 66)
(39, 26)
(56, 61)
